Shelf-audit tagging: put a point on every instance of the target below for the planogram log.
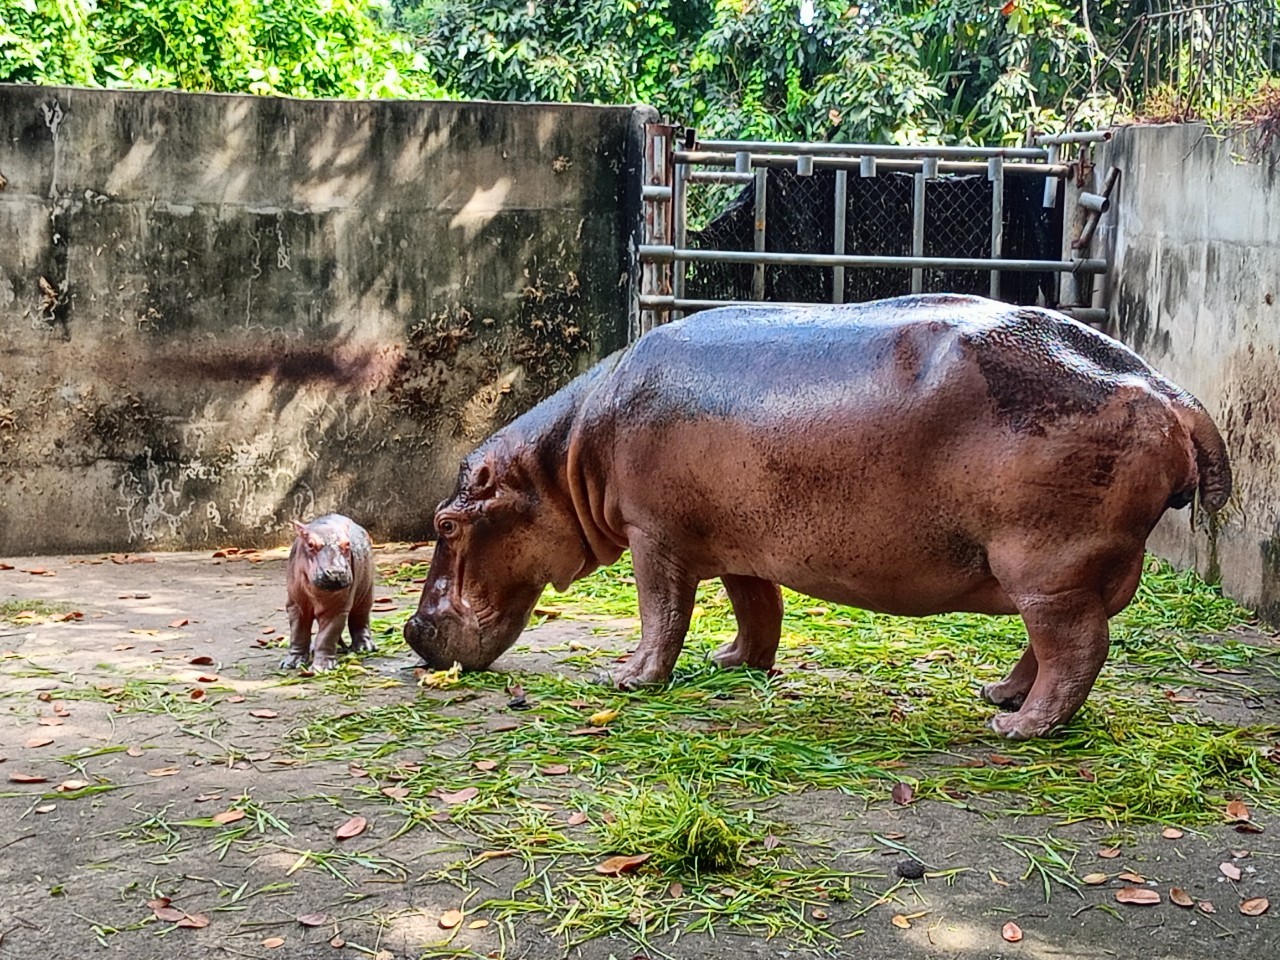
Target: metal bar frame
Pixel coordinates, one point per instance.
(995, 173)
(838, 232)
(788, 162)
(878, 150)
(917, 230)
(762, 189)
(656, 253)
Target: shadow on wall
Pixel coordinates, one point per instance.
(267, 309)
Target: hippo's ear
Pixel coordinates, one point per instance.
(483, 482)
(300, 528)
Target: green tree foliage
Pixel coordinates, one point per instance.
(304, 48)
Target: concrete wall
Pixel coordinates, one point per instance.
(222, 312)
(1195, 240)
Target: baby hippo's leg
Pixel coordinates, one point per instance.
(299, 637)
(327, 637)
(358, 621)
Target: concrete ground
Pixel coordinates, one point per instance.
(124, 730)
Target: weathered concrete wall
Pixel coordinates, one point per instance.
(222, 312)
(1195, 235)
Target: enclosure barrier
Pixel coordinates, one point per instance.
(677, 161)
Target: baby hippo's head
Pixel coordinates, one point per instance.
(326, 555)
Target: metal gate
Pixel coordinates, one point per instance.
(824, 222)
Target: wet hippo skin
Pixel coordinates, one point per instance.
(911, 456)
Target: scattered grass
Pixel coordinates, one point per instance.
(863, 701)
(25, 612)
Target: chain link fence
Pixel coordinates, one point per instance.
(800, 217)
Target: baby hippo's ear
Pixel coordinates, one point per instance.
(300, 528)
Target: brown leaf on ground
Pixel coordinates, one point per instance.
(68, 786)
(39, 741)
(46, 808)
(134, 751)
(458, 796)
(236, 698)
(228, 816)
(352, 828)
(204, 660)
(675, 890)
(1206, 906)
(313, 919)
(1109, 853)
(263, 714)
(180, 622)
(902, 793)
(168, 914)
(162, 772)
(272, 942)
(194, 921)
(1138, 896)
(616, 866)
(554, 769)
(337, 943)
(1181, 897)
(477, 924)
(577, 818)
(68, 617)
(197, 693)
(1011, 932)
(159, 902)
(486, 765)
(1255, 907)
(1229, 870)
(818, 913)
(206, 797)
(589, 732)
(1237, 811)
(1093, 879)
(1171, 833)
(395, 793)
(901, 922)
(27, 778)
(450, 919)
(49, 721)
(1132, 877)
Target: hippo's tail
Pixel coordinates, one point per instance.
(1212, 462)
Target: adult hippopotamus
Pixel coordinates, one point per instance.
(912, 456)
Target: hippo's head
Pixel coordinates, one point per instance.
(508, 530)
(326, 556)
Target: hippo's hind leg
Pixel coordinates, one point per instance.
(757, 606)
(299, 637)
(1011, 692)
(1069, 640)
(666, 592)
(358, 623)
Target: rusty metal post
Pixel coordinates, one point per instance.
(762, 186)
(656, 193)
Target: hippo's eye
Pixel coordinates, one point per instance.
(447, 527)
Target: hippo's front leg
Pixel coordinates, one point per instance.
(299, 637)
(757, 606)
(327, 637)
(358, 623)
(666, 592)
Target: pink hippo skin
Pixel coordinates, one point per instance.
(912, 456)
(330, 576)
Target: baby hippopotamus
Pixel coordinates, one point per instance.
(330, 576)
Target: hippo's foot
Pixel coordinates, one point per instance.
(1002, 696)
(323, 663)
(362, 642)
(644, 669)
(293, 661)
(738, 654)
(1020, 726)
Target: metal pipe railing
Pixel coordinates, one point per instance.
(784, 161)
(661, 253)
(879, 149)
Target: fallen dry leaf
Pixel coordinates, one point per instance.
(1181, 897)
(27, 778)
(1138, 896)
(162, 772)
(1206, 906)
(272, 942)
(180, 622)
(134, 751)
(197, 693)
(67, 617)
(901, 922)
(818, 913)
(486, 765)
(1093, 879)
(204, 660)
(554, 769)
(49, 721)
(263, 714)
(616, 866)
(1237, 811)
(352, 828)
(228, 816)
(1255, 907)
(459, 796)
(39, 741)
(675, 890)
(337, 943)
(168, 914)
(236, 698)
(477, 924)
(903, 793)
(46, 808)
(1229, 870)
(1171, 833)
(313, 919)
(194, 921)
(1011, 932)
(206, 797)
(67, 786)
(1131, 877)
(395, 793)
(577, 818)
(1109, 853)
(450, 919)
